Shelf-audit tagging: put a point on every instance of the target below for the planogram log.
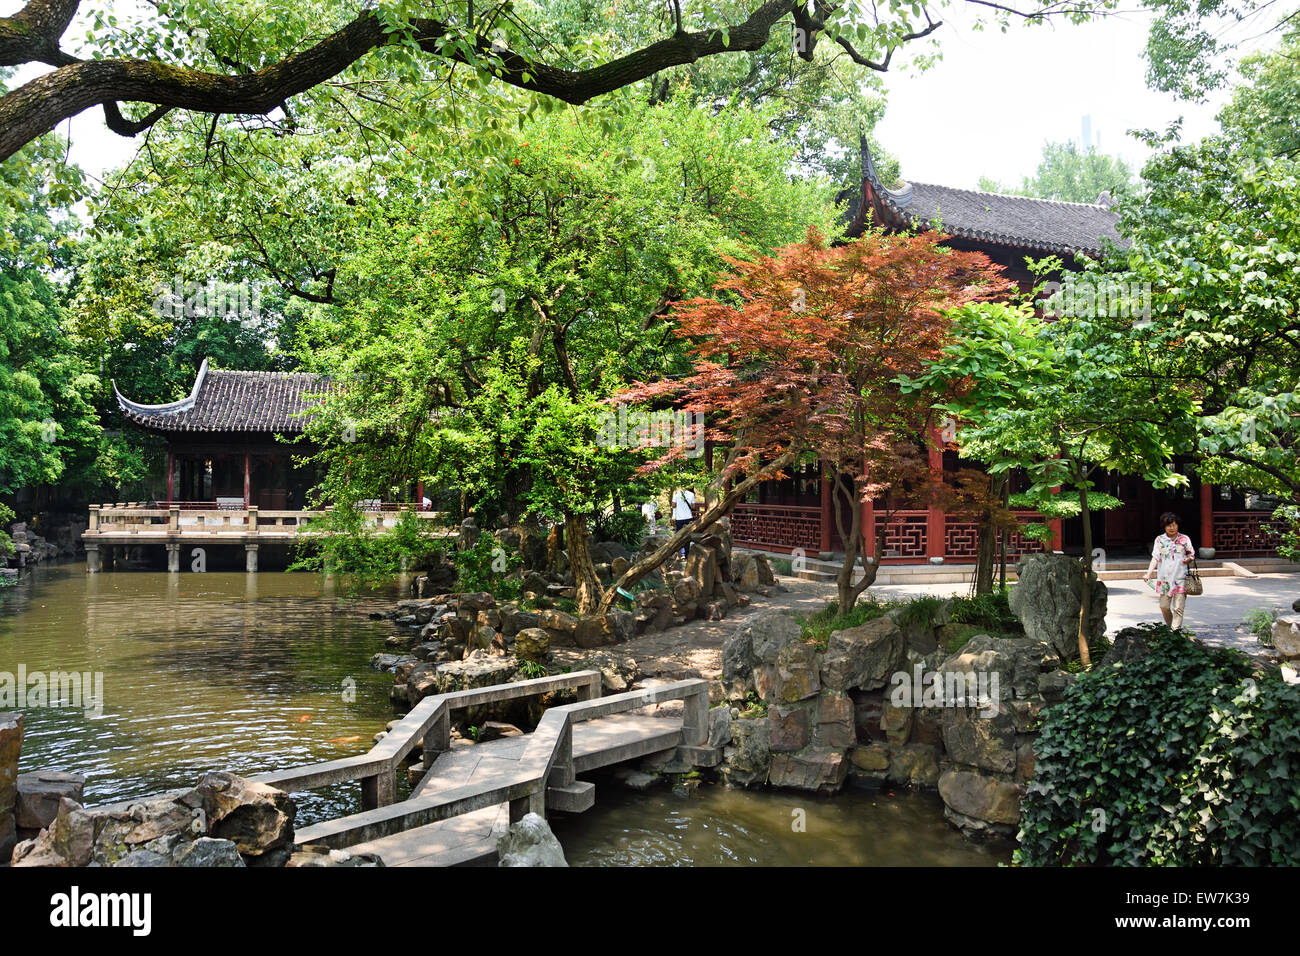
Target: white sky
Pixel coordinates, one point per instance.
(985, 109)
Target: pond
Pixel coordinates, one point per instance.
(253, 673)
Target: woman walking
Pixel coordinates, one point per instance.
(1169, 559)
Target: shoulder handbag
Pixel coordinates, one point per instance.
(1192, 585)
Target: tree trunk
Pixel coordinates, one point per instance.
(674, 544)
(1085, 605)
(986, 556)
(587, 590)
(847, 591)
(1005, 536)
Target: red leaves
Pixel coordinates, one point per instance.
(800, 349)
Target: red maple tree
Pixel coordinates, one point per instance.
(796, 357)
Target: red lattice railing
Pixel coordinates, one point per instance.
(904, 534)
(961, 538)
(782, 526)
(1245, 534)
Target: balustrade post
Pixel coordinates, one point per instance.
(695, 718)
(437, 739)
(562, 773)
(174, 518)
(94, 518)
(591, 690)
(252, 520)
(379, 790)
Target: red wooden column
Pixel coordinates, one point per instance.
(1207, 515)
(935, 537)
(248, 480)
(868, 520)
(827, 515)
(171, 475)
(419, 496)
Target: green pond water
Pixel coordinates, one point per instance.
(253, 673)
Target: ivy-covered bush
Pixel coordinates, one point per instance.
(1183, 757)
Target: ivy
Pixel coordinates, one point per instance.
(1182, 758)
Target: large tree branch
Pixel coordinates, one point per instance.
(39, 105)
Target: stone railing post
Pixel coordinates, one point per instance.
(94, 518)
(695, 717)
(174, 518)
(379, 790)
(252, 520)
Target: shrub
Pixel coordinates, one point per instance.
(626, 527)
(484, 566)
(819, 626)
(990, 610)
(1180, 758)
(1260, 623)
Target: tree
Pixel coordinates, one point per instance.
(1265, 104)
(1054, 398)
(1069, 174)
(202, 57)
(797, 358)
(476, 326)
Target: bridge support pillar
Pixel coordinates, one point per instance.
(92, 559)
(378, 791)
(250, 558)
(532, 803)
(437, 740)
(173, 558)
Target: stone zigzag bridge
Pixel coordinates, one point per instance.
(471, 792)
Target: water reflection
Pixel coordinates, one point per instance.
(716, 826)
(201, 671)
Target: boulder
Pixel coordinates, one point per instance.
(1047, 598)
(871, 757)
(746, 760)
(755, 642)
(744, 572)
(1286, 636)
(819, 770)
(384, 662)
(793, 677)
(313, 856)
(834, 727)
(530, 842)
(514, 620)
(712, 610)
(480, 669)
(864, 656)
(256, 817)
(915, 765)
(790, 728)
(719, 727)
(686, 591)
(39, 793)
(206, 851)
(533, 644)
(983, 798)
(988, 743)
(615, 627)
(618, 672)
(702, 566)
(765, 576)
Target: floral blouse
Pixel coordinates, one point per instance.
(1167, 562)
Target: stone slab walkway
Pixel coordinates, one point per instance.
(695, 649)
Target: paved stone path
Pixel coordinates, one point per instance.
(695, 650)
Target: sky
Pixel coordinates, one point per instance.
(985, 109)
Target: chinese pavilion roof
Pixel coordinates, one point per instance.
(227, 401)
(1040, 226)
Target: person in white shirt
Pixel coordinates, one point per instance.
(683, 501)
(1170, 556)
(650, 511)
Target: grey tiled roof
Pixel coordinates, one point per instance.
(233, 402)
(1037, 225)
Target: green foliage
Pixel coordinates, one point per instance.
(1259, 621)
(991, 611)
(919, 611)
(1286, 520)
(1182, 758)
(628, 528)
(484, 566)
(532, 670)
(818, 627)
(345, 542)
(1069, 173)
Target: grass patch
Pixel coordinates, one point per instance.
(819, 626)
(1260, 623)
(781, 565)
